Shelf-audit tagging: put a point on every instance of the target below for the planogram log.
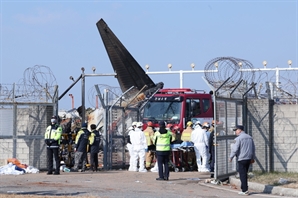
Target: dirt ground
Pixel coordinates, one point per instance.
(120, 183)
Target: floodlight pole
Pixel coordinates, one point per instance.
(276, 69)
(181, 73)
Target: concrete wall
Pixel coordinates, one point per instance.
(285, 135)
(27, 141)
(286, 138)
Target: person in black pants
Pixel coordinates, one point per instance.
(244, 150)
(212, 153)
(52, 140)
(162, 140)
(82, 140)
(94, 141)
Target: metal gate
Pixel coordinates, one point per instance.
(118, 117)
(229, 113)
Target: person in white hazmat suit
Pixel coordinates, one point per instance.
(129, 146)
(206, 128)
(139, 148)
(200, 140)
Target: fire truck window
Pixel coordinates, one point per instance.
(196, 107)
(193, 107)
(187, 108)
(206, 104)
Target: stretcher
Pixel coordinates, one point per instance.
(182, 157)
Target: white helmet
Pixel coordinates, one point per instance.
(198, 123)
(139, 124)
(134, 124)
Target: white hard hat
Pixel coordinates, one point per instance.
(134, 124)
(139, 124)
(198, 123)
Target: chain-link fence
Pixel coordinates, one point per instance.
(118, 117)
(228, 115)
(25, 112)
(22, 132)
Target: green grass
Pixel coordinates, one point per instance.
(273, 178)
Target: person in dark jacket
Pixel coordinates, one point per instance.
(212, 153)
(82, 140)
(162, 140)
(94, 141)
(52, 140)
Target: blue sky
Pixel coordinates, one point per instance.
(63, 35)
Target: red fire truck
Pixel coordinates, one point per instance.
(178, 106)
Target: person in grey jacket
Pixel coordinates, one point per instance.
(244, 150)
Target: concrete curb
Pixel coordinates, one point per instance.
(275, 190)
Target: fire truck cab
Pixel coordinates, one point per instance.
(178, 106)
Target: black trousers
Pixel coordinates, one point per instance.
(53, 152)
(94, 161)
(212, 160)
(163, 166)
(243, 167)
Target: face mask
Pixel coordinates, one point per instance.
(53, 120)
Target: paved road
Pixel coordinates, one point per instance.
(117, 184)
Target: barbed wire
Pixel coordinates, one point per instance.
(228, 67)
(237, 70)
(38, 84)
